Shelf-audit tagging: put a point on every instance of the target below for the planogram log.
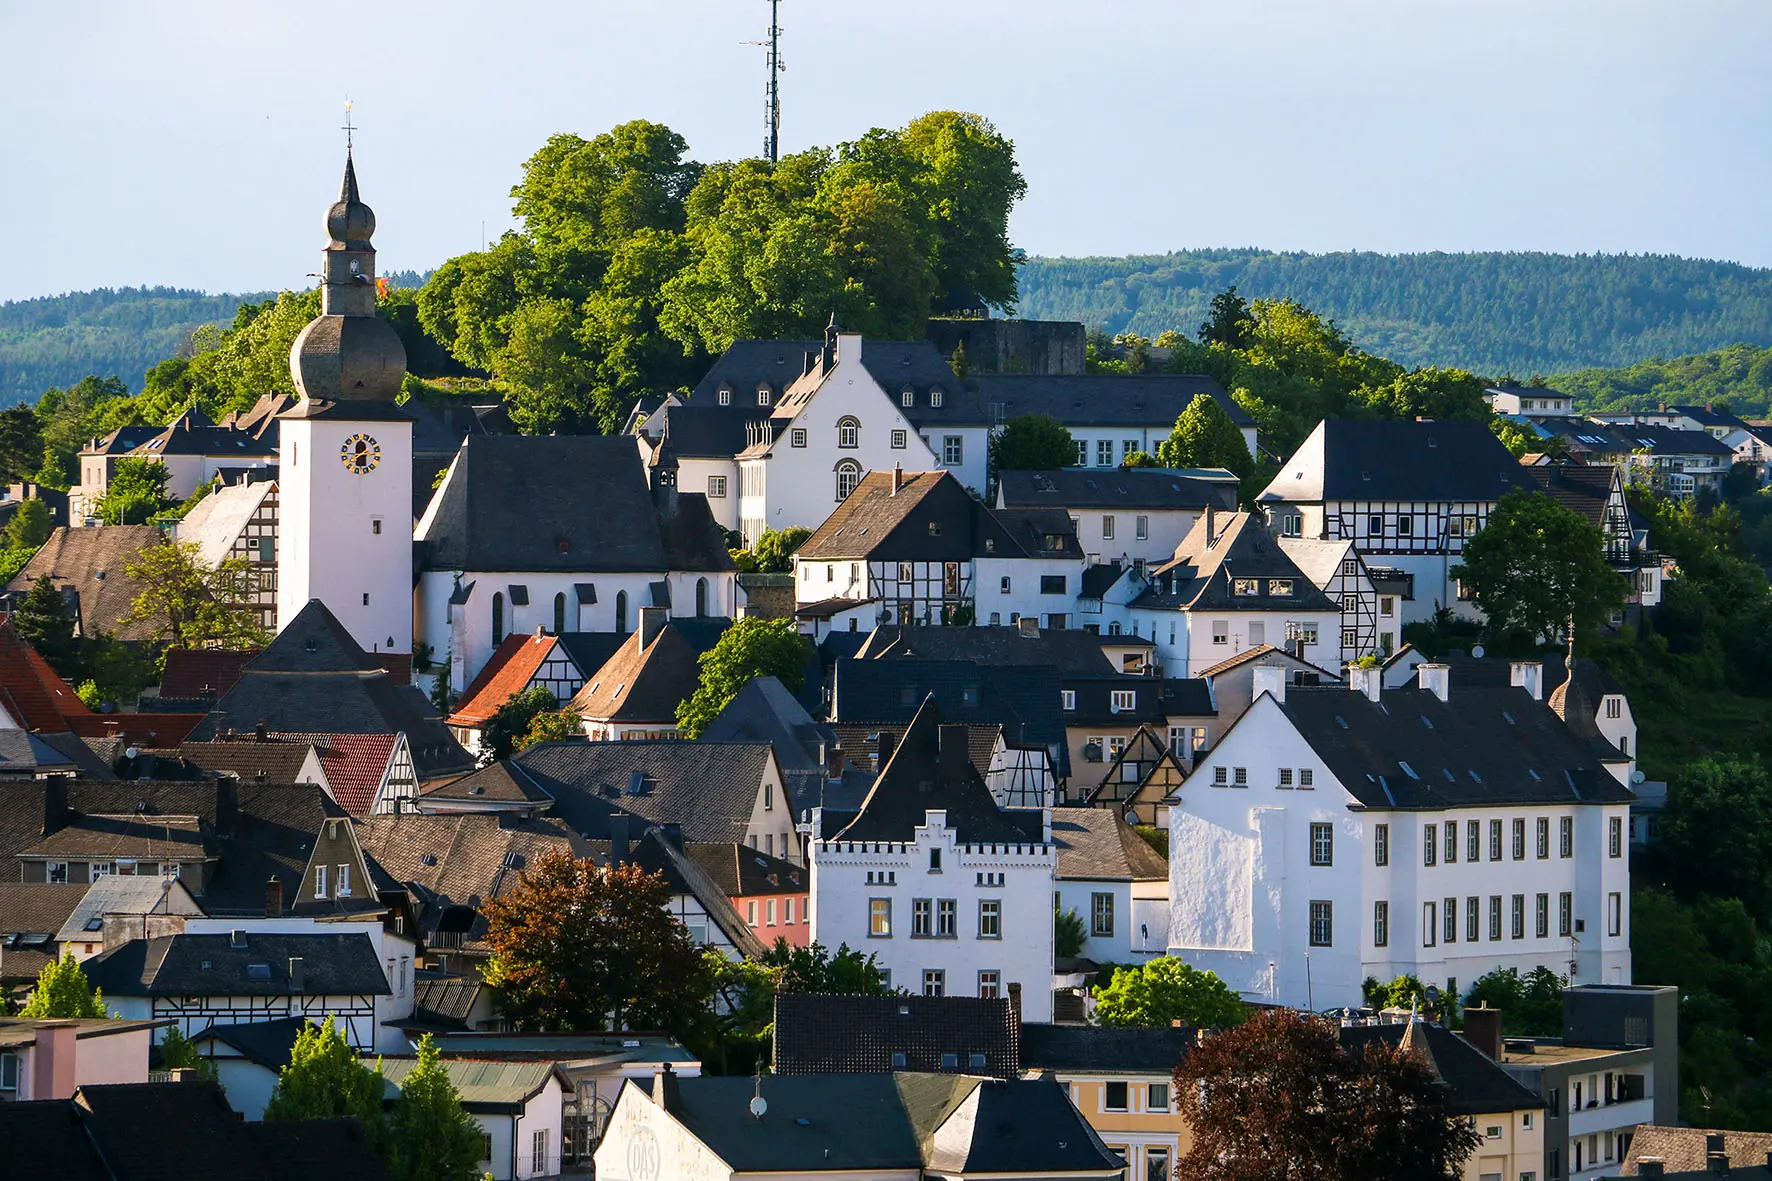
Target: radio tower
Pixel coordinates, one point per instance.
(772, 115)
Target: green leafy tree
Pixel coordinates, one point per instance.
(136, 492)
(177, 1053)
(1402, 992)
(325, 1079)
(191, 604)
(21, 444)
(1228, 321)
(512, 721)
(1205, 436)
(1536, 565)
(63, 991)
(1531, 1005)
(29, 525)
(775, 548)
(749, 649)
(1068, 934)
(1715, 836)
(431, 1137)
(1278, 1096)
(44, 620)
(1032, 443)
(1450, 394)
(745, 992)
(1139, 459)
(584, 947)
(560, 725)
(1164, 990)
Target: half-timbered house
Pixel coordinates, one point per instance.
(239, 521)
(1370, 621)
(1142, 777)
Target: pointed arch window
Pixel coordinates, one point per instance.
(848, 476)
(848, 432)
(701, 598)
(498, 618)
(560, 613)
(621, 613)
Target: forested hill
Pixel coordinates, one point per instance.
(111, 332)
(1491, 313)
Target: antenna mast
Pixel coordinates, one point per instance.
(772, 116)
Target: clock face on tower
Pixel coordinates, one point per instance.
(360, 454)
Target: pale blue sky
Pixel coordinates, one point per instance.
(194, 143)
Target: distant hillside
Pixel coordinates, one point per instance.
(1492, 313)
(111, 332)
(1740, 376)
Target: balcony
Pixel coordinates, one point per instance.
(1611, 1117)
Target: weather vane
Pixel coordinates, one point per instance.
(348, 127)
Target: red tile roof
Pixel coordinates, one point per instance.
(30, 690)
(201, 672)
(156, 731)
(355, 765)
(508, 671)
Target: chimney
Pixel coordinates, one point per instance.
(888, 742)
(672, 835)
(261, 731)
(1015, 999)
(55, 804)
(52, 1066)
(1717, 1163)
(1270, 679)
(1714, 1143)
(183, 1074)
(652, 621)
(1211, 521)
(1435, 678)
(297, 977)
(1649, 1166)
(834, 762)
(897, 478)
(1482, 1029)
(227, 804)
(952, 755)
(273, 898)
(618, 838)
(666, 1091)
(1527, 675)
(1369, 681)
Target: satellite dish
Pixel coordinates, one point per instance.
(131, 752)
(1637, 777)
(759, 1105)
(1477, 651)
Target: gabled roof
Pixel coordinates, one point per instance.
(918, 779)
(1475, 1083)
(1103, 1049)
(1708, 415)
(740, 870)
(708, 788)
(1095, 844)
(1073, 652)
(1480, 747)
(1132, 489)
(1279, 655)
(192, 674)
(1103, 399)
(929, 517)
(276, 759)
(862, 742)
(893, 364)
(496, 783)
(90, 562)
(591, 497)
(353, 765)
(40, 912)
(209, 965)
(642, 683)
(485, 1087)
(1583, 488)
(214, 523)
(506, 672)
(1359, 459)
(819, 1034)
(30, 690)
(270, 1044)
(1220, 552)
(116, 894)
(193, 434)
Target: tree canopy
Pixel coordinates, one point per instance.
(63, 991)
(1278, 1096)
(192, 604)
(1205, 436)
(1165, 990)
(136, 492)
(581, 947)
(44, 620)
(325, 1078)
(1032, 443)
(1537, 565)
(749, 649)
(513, 721)
(431, 1136)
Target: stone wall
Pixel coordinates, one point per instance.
(1043, 347)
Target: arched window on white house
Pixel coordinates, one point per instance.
(560, 613)
(848, 476)
(701, 598)
(498, 618)
(848, 432)
(621, 613)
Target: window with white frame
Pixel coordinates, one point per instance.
(953, 450)
(935, 982)
(1240, 776)
(344, 881)
(1082, 452)
(936, 398)
(538, 1140)
(1381, 844)
(990, 984)
(1322, 923)
(1124, 700)
(1615, 707)
(1127, 448)
(848, 476)
(56, 872)
(1430, 927)
(1107, 526)
(1141, 528)
(848, 432)
(1381, 924)
(1322, 844)
(1067, 699)
(907, 397)
(1221, 631)
(1615, 914)
(946, 918)
(1220, 776)
(716, 487)
(879, 918)
(763, 395)
(990, 918)
(922, 918)
(898, 440)
(725, 396)
(319, 881)
(1104, 453)
(1565, 837)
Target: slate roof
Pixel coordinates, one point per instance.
(192, 674)
(917, 780)
(169, 838)
(1072, 652)
(215, 522)
(314, 679)
(1200, 577)
(90, 561)
(270, 1044)
(23, 753)
(1682, 1150)
(708, 788)
(764, 711)
(657, 851)
(277, 760)
(1479, 748)
(740, 870)
(1116, 488)
(1041, 532)
(175, 965)
(820, 1034)
(1099, 579)
(746, 364)
(642, 684)
(30, 690)
(1103, 399)
(588, 493)
(1256, 653)
(1028, 706)
(32, 910)
(1103, 1049)
(1153, 700)
(1357, 459)
(1619, 437)
(506, 672)
(495, 783)
(861, 742)
(121, 440)
(47, 1141)
(188, 437)
(708, 432)
(1477, 1084)
(930, 518)
(1582, 488)
(1096, 845)
(892, 1121)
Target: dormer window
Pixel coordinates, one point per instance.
(907, 397)
(725, 396)
(1246, 586)
(762, 395)
(1280, 587)
(935, 397)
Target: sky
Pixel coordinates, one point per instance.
(196, 143)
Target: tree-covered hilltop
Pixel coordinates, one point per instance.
(1491, 313)
(124, 331)
(1738, 378)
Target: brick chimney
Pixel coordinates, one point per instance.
(897, 478)
(273, 898)
(1482, 1029)
(1015, 998)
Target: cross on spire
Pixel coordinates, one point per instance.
(348, 128)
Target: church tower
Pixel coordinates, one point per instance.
(345, 450)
